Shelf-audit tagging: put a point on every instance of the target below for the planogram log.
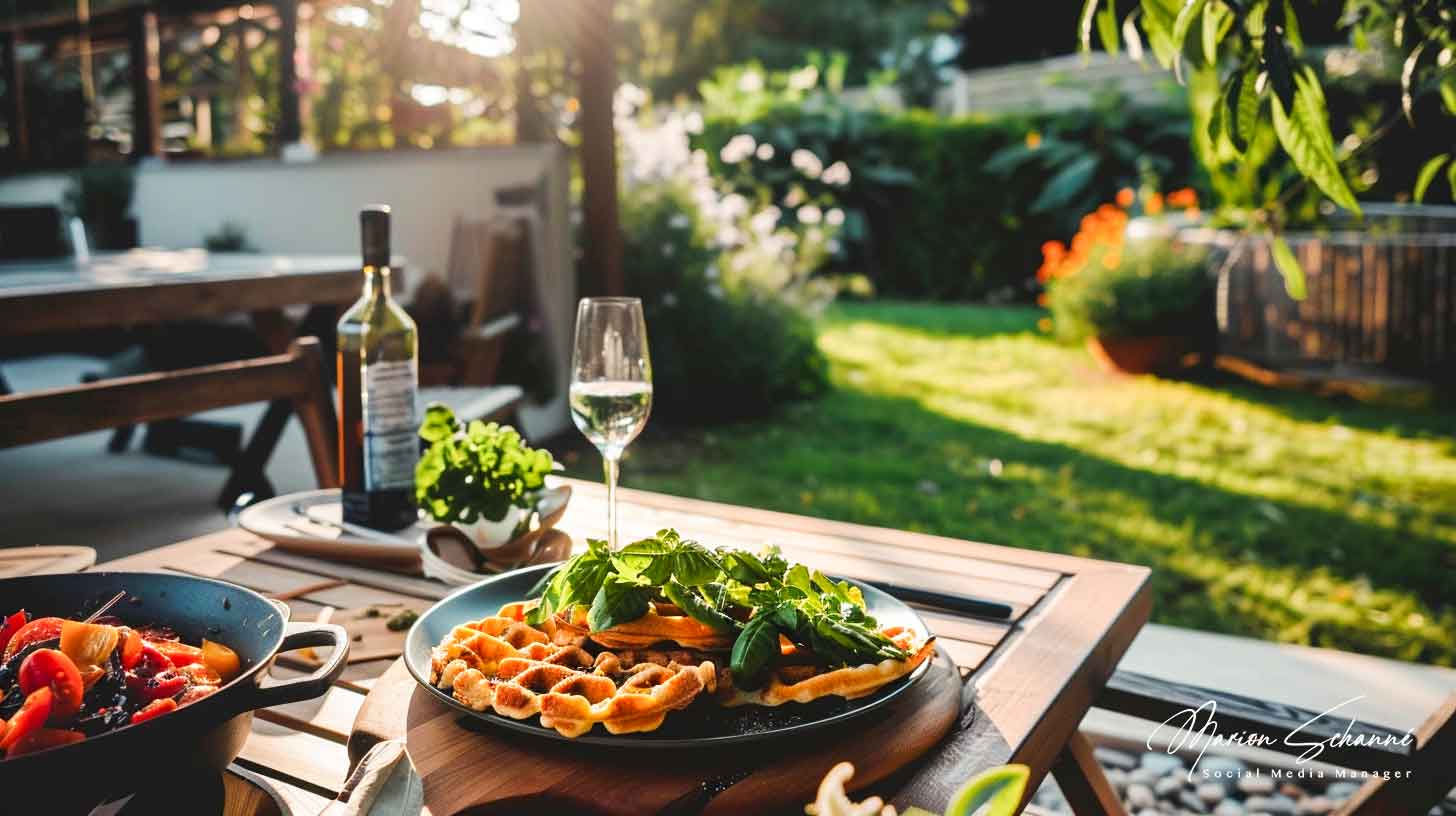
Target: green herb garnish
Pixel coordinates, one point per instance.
(760, 596)
(475, 471)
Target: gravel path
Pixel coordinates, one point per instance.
(1153, 784)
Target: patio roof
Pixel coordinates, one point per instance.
(139, 23)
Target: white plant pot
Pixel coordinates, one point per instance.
(490, 535)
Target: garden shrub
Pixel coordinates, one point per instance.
(929, 217)
(721, 350)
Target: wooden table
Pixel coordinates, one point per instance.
(1028, 682)
(148, 286)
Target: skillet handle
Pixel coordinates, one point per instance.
(296, 636)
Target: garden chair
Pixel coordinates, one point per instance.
(485, 271)
(1429, 760)
(298, 374)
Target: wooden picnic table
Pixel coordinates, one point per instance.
(1027, 682)
(151, 286)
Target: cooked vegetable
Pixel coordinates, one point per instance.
(31, 717)
(63, 681)
(51, 668)
(38, 630)
(220, 659)
(88, 644)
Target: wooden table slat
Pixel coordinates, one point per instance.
(412, 586)
(301, 759)
(329, 717)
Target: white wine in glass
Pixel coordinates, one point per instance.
(611, 384)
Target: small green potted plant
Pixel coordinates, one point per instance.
(482, 479)
(993, 792)
(1140, 304)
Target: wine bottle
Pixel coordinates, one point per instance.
(378, 393)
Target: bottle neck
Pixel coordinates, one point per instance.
(376, 282)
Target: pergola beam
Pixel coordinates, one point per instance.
(144, 43)
(290, 119)
(596, 47)
(19, 148)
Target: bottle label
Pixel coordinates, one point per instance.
(391, 425)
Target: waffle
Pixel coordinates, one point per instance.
(805, 683)
(516, 670)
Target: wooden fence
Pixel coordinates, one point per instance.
(1380, 298)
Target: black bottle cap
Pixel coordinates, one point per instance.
(374, 227)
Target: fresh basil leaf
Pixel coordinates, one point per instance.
(798, 578)
(755, 647)
(584, 578)
(439, 423)
(744, 567)
(697, 608)
(650, 558)
(546, 580)
(618, 601)
(693, 565)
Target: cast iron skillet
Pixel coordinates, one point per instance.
(698, 726)
(203, 735)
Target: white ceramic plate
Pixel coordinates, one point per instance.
(284, 521)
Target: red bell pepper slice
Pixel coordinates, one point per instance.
(30, 718)
(11, 625)
(154, 709)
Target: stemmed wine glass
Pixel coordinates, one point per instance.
(611, 383)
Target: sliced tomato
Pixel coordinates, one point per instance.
(220, 659)
(196, 692)
(178, 652)
(200, 674)
(131, 647)
(166, 684)
(51, 668)
(11, 625)
(30, 718)
(4, 726)
(43, 739)
(152, 661)
(154, 709)
(37, 631)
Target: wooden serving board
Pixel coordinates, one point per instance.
(16, 561)
(467, 765)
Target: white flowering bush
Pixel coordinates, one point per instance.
(726, 277)
(773, 247)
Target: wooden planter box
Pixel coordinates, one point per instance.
(1381, 295)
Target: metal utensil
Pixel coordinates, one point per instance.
(115, 599)
(965, 604)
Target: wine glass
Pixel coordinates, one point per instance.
(611, 383)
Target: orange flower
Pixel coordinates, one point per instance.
(1125, 197)
(1033, 140)
(1155, 204)
(1041, 299)
(1183, 199)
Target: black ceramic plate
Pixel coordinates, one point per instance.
(694, 727)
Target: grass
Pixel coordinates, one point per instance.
(1272, 514)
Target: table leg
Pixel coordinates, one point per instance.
(1082, 781)
(247, 474)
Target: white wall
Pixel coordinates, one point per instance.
(313, 207)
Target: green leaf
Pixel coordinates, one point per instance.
(620, 600)
(1451, 178)
(1084, 24)
(583, 578)
(1407, 81)
(1288, 265)
(651, 558)
(1279, 69)
(1107, 27)
(744, 567)
(1158, 18)
(1000, 788)
(439, 423)
(1304, 132)
(1213, 14)
(1070, 181)
(1243, 105)
(693, 565)
(1130, 34)
(1291, 29)
(698, 609)
(755, 647)
(1427, 175)
(1181, 26)
(1448, 92)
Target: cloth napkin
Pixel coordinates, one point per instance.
(384, 784)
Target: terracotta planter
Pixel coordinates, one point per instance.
(1139, 355)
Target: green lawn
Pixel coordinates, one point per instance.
(1272, 514)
